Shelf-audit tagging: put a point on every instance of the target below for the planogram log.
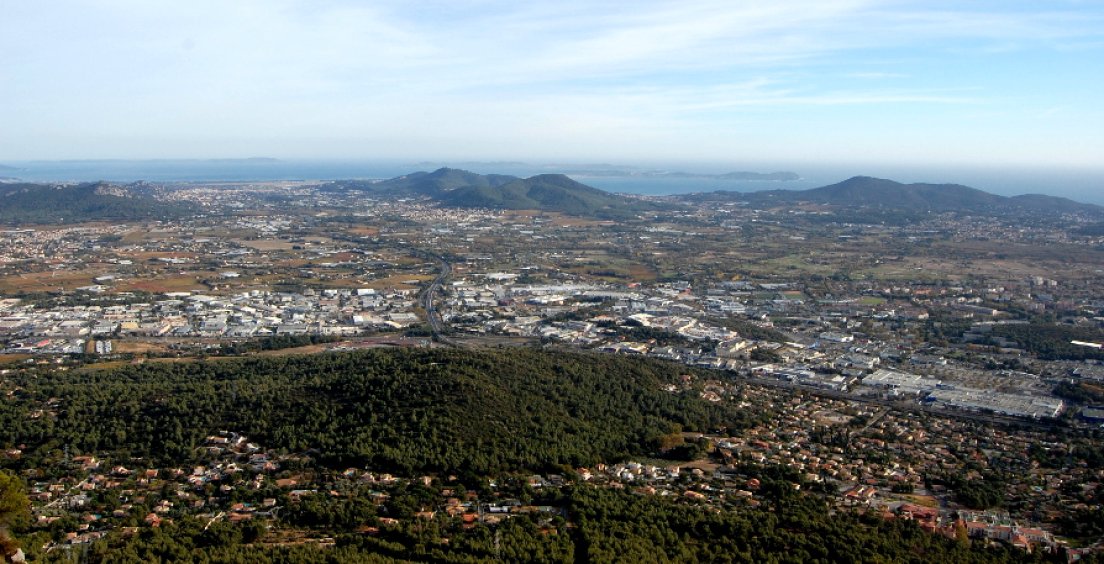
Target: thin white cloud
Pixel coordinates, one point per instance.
(233, 73)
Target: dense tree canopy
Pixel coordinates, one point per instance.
(405, 411)
(1053, 342)
(470, 412)
(608, 526)
(13, 508)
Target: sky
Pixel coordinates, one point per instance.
(992, 83)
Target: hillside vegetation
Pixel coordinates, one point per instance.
(405, 411)
(909, 201)
(41, 203)
(452, 411)
(544, 192)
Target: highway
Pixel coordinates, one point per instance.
(428, 299)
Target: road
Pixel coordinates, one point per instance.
(869, 424)
(428, 301)
(437, 326)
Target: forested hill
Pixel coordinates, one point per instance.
(452, 411)
(868, 192)
(547, 192)
(432, 184)
(544, 192)
(458, 411)
(45, 203)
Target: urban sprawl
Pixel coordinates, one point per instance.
(883, 354)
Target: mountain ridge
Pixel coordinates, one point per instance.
(871, 192)
(879, 199)
(544, 192)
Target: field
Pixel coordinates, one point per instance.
(266, 244)
(14, 358)
(138, 347)
(397, 282)
(51, 281)
(364, 231)
(176, 283)
(922, 500)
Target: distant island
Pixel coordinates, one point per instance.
(746, 176)
(607, 170)
(5, 170)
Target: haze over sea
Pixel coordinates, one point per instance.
(1084, 185)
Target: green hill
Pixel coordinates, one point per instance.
(42, 203)
(405, 411)
(884, 195)
(867, 191)
(475, 414)
(432, 184)
(545, 192)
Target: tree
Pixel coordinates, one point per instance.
(13, 508)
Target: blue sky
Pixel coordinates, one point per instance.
(990, 83)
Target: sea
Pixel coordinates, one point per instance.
(650, 178)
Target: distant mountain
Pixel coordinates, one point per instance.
(867, 192)
(433, 184)
(1053, 203)
(484, 164)
(24, 203)
(545, 192)
(442, 180)
(5, 170)
(607, 170)
(766, 176)
(620, 172)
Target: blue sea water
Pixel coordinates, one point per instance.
(1083, 185)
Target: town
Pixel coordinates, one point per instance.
(900, 365)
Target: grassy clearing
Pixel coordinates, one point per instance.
(161, 285)
(138, 347)
(923, 500)
(642, 273)
(365, 231)
(50, 281)
(13, 358)
(794, 263)
(397, 282)
(265, 244)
